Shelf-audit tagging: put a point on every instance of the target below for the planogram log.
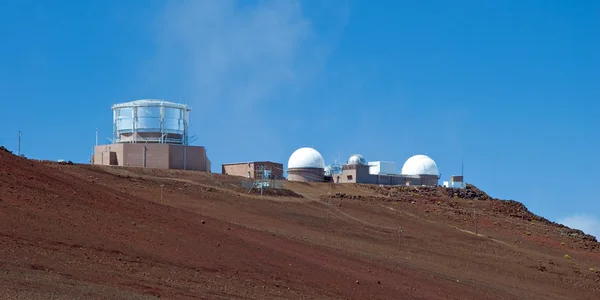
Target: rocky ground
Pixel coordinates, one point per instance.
(87, 232)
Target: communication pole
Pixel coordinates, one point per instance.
(462, 168)
(96, 136)
(462, 172)
(19, 149)
(162, 193)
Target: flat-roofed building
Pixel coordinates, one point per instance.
(253, 169)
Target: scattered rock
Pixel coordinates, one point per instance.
(3, 149)
(542, 269)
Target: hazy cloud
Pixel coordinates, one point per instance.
(235, 54)
(586, 223)
(233, 60)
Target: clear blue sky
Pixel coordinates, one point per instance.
(511, 86)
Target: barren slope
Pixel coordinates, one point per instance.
(97, 232)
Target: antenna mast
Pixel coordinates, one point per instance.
(19, 149)
(462, 174)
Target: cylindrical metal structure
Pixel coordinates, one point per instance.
(151, 121)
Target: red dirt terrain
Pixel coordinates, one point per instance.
(90, 232)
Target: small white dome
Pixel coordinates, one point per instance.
(356, 159)
(420, 165)
(306, 158)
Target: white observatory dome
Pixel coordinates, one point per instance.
(420, 165)
(306, 158)
(356, 159)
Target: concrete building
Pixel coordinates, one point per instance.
(417, 170)
(382, 167)
(456, 181)
(162, 156)
(252, 169)
(151, 134)
(307, 165)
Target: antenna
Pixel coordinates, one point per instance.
(462, 174)
(96, 136)
(19, 149)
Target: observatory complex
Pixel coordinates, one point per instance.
(151, 134)
(306, 164)
(417, 170)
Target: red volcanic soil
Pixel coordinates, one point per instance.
(80, 231)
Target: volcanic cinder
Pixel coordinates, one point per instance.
(88, 232)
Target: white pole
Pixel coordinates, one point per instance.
(161, 193)
(19, 150)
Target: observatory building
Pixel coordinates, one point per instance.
(456, 182)
(254, 169)
(356, 159)
(307, 165)
(417, 170)
(152, 134)
(422, 167)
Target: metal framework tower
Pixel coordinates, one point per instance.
(151, 121)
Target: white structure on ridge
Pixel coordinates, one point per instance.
(420, 165)
(306, 164)
(151, 121)
(419, 170)
(356, 159)
(382, 167)
(456, 182)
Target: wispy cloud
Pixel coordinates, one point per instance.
(587, 223)
(239, 55)
(233, 60)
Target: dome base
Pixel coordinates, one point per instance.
(306, 175)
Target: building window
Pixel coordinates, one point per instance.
(267, 174)
(349, 177)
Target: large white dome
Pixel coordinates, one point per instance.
(356, 159)
(420, 165)
(306, 158)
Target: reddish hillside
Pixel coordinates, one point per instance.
(78, 231)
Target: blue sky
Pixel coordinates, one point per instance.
(511, 86)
